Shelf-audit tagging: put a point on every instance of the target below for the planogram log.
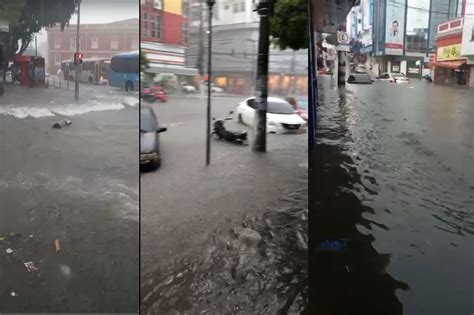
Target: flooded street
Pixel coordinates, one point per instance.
(393, 181)
(237, 242)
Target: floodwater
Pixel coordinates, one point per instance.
(260, 267)
(392, 180)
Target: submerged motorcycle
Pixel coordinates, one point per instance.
(238, 137)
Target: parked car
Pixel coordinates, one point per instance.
(393, 77)
(302, 107)
(187, 88)
(359, 78)
(149, 137)
(281, 116)
(153, 93)
(399, 78)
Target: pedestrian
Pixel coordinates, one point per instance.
(292, 102)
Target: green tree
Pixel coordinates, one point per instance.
(28, 17)
(289, 27)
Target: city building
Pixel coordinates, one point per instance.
(404, 33)
(164, 38)
(95, 41)
(454, 62)
(235, 47)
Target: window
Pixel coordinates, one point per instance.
(73, 43)
(157, 4)
(242, 6)
(185, 8)
(157, 26)
(57, 59)
(226, 7)
(146, 30)
(235, 8)
(57, 44)
(185, 31)
(94, 43)
(114, 43)
(125, 64)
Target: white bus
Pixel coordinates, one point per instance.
(93, 70)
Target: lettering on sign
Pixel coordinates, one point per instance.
(451, 52)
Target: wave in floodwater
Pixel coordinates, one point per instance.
(22, 112)
(259, 267)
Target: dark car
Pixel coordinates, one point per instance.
(359, 78)
(149, 138)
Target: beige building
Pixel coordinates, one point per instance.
(96, 41)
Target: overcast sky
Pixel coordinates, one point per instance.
(103, 11)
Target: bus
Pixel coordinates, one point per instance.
(125, 71)
(93, 70)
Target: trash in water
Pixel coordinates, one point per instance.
(332, 246)
(56, 245)
(65, 270)
(30, 266)
(62, 123)
(2, 238)
(9, 250)
(13, 293)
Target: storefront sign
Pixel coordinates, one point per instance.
(394, 28)
(451, 52)
(396, 69)
(414, 70)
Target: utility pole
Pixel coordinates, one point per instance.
(200, 60)
(210, 4)
(292, 71)
(78, 67)
(36, 45)
(264, 9)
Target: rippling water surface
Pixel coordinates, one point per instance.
(393, 177)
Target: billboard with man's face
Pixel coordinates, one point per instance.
(394, 28)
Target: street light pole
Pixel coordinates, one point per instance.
(200, 60)
(210, 4)
(76, 87)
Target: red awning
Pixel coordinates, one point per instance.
(448, 64)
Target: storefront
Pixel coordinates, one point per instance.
(450, 67)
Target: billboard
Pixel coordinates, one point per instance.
(394, 28)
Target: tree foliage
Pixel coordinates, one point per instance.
(28, 17)
(289, 27)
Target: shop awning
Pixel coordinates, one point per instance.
(169, 69)
(447, 64)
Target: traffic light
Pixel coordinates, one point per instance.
(78, 57)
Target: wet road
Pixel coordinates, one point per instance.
(393, 178)
(193, 253)
(78, 185)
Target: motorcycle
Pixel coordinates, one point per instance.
(238, 137)
(428, 78)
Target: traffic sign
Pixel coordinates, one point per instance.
(343, 38)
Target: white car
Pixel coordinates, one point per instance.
(281, 116)
(188, 88)
(393, 77)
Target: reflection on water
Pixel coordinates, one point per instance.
(352, 280)
(389, 177)
(258, 268)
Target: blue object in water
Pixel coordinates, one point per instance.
(332, 246)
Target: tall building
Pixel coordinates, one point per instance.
(95, 41)
(404, 33)
(235, 48)
(164, 36)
